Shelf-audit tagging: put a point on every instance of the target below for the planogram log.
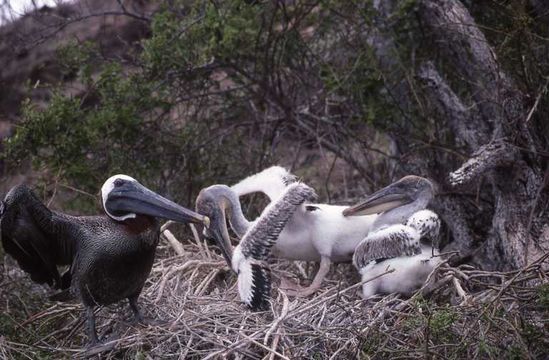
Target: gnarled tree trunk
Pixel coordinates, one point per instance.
(499, 134)
(497, 127)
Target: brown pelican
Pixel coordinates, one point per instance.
(316, 232)
(110, 256)
(403, 237)
(250, 256)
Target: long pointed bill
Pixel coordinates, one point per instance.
(135, 198)
(220, 233)
(388, 198)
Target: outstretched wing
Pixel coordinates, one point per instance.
(254, 280)
(271, 181)
(36, 237)
(387, 243)
(260, 238)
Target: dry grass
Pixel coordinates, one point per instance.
(468, 314)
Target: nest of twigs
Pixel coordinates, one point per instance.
(461, 313)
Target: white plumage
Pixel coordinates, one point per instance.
(410, 272)
(271, 181)
(399, 246)
(316, 232)
(409, 275)
(243, 268)
(249, 259)
(107, 187)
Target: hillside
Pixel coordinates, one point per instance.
(29, 50)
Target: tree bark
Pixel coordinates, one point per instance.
(541, 9)
(491, 122)
(514, 177)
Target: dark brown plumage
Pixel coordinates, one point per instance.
(110, 256)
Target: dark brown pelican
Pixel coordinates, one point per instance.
(110, 256)
(249, 259)
(404, 237)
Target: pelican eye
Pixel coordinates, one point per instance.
(119, 182)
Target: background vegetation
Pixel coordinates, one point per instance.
(216, 90)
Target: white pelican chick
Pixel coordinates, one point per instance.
(404, 237)
(316, 232)
(249, 259)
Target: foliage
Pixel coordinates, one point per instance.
(160, 119)
(76, 58)
(84, 143)
(543, 296)
(220, 89)
(166, 118)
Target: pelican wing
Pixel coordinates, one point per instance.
(387, 243)
(35, 237)
(254, 280)
(271, 181)
(259, 239)
(254, 284)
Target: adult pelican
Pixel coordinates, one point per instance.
(316, 232)
(249, 259)
(110, 256)
(404, 237)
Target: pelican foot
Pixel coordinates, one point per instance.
(288, 284)
(93, 343)
(297, 291)
(138, 317)
(303, 292)
(62, 296)
(293, 289)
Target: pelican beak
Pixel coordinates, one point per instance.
(218, 230)
(386, 199)
(132, 197)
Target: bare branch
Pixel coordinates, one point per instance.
(447, 103)
(466, 47)
(488, 157)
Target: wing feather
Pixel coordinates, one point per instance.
(260, 238)
(36, 237)
(387, 243)
(254, 285)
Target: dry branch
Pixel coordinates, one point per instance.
(488, 157)
(197, 297)
(450, 106)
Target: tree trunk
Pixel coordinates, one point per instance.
(513, 175)
(494, 124)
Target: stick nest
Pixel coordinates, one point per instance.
(461, 313)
